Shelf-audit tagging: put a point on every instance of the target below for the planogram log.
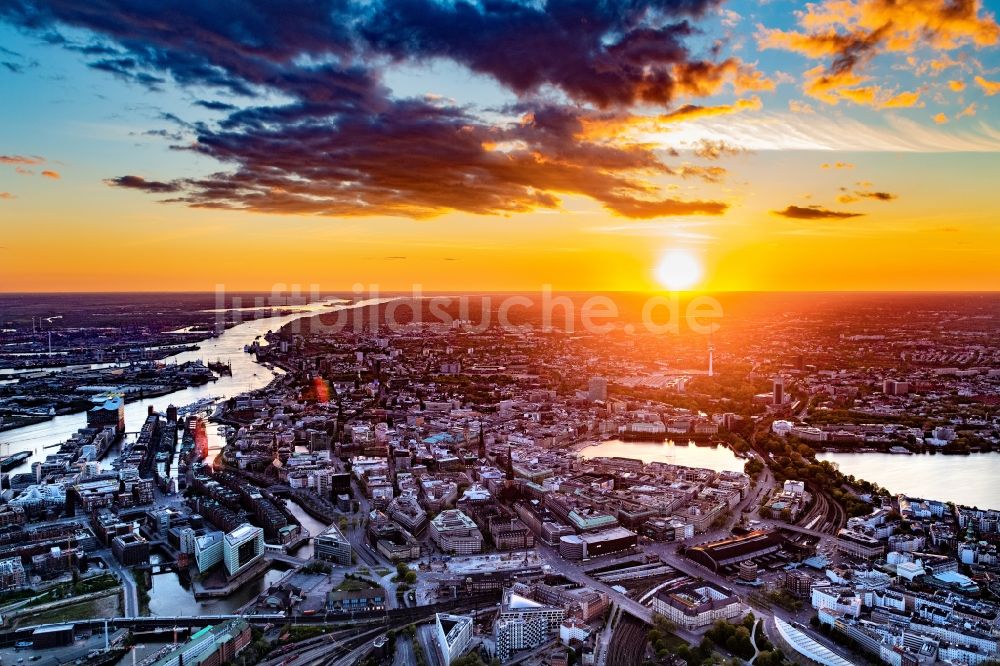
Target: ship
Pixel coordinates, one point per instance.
(10, 462)
(220, 368)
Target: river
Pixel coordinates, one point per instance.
(718, 458)
(228, 348)
(970, 480)
(168, 595)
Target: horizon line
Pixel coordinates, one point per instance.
(350, 292)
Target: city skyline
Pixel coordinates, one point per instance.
(835, 146)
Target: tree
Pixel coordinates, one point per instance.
(470, 659)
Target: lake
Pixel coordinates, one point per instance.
(969, 480)
(718, 458)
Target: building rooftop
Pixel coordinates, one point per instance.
(807, 647)
(241, 533)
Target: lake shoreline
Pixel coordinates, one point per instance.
(951, 478)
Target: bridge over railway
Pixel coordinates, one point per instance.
(804, 530)
(388, 616)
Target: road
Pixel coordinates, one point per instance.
(425, 634)
(573, 572)
(753, 641)
(750, 503)
(129, 587)
(667, 552)
(405, 656)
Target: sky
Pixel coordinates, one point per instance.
(500, 144)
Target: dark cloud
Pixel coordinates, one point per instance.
(15, 62)
(340, 144)
(605, 53)
(126, 69)
(164, 134)
(814, 213)
(214, 105)
(236, 45)
(140, 183)
(878, 196)
(417, 159)
(850, 197)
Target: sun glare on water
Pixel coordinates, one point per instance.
(678, 270)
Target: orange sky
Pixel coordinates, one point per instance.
(919, 241)
(778, 157)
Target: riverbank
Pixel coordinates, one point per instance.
(73, 404)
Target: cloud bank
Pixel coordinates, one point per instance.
(339, 143)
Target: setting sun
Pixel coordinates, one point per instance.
(678, 270)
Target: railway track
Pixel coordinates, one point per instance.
(837, 517)
(816, 513)
(826, 515)
(628, 642)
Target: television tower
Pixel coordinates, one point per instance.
(711, 350)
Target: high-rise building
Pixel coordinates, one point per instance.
(523, 623)
(453, 635)
(598, 389)
(779, 391)
(208, 551)
(333, 546)
(892, 387)
(242, 547)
